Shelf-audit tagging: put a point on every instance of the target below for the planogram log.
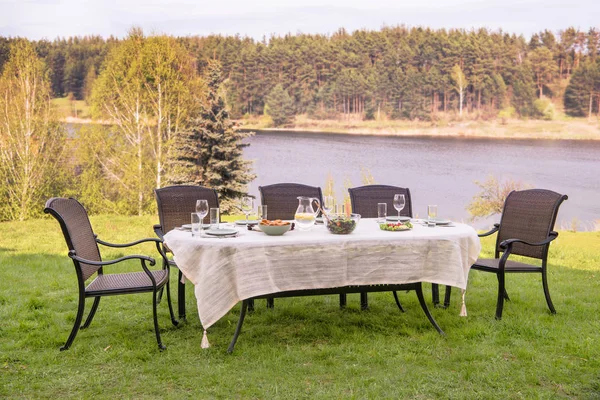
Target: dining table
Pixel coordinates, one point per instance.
(251, 264)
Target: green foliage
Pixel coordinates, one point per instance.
(490, 199)
(279, 106)
(545, 108)
(210, 152)
(304, 347)
(31, 139)
(582, 95)
(506, 113)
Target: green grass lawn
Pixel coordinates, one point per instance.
(305, 347)
(67, 108)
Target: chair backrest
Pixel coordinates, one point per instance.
(176, 203)
(77, 230)
(529, 215)
(364, 200)
(281, 199)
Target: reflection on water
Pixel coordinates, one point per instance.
(438, 171)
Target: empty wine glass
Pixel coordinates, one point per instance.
(202, 209)
(328, 203)
(399, 203)
(247, 206)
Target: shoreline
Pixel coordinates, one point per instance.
(514, 129)
(576, 129)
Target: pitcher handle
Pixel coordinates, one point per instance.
(314, 199)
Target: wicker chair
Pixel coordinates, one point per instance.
(281, 200)
(84, 251)
(525, 229)
(364, 200)
(175, 204)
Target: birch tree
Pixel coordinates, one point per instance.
(31, 139)
(144, 91)
(460, 85)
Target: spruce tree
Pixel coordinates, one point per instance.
(210, 152)
(280, 106)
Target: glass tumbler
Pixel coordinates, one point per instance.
(381, 212)
(432, 211)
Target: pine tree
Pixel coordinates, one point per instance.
(210, 152)
(280, 106)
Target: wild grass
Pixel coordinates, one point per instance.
(305, 347)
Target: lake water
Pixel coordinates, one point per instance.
(438, 171)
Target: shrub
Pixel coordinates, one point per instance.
(545, 108)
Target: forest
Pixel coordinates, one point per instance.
(397, 72)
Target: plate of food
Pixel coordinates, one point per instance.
(396, 218)
(275, 227)
(396, 227)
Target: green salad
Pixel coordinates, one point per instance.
(394, 227)
(341, 226)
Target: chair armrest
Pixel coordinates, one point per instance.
(74, 256)
(494, 230)
(159, 232)
(509, 242)
(102, 242)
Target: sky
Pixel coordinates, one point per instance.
(49, 19)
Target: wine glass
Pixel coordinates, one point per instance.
(247, 206)
(399, 203)
(328, 202)
(202, 209)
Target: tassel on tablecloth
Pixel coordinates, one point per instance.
(463, 308)
(205, 344)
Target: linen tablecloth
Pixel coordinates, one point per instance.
(226, 271)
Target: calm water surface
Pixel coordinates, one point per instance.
(438, 171)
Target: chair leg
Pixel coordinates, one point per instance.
(506, 295)
(160, 294)
(90, 316)
(270, 302)
(156, 330)
(238, 328)
(419, 290)
(364, 301)
(181, 297)
(173, 320)
(447, 296)
(547, 292)
(435, 294)
(397, 301)
(77, 323)
(250, 305)
(343, 300)
(501, 291)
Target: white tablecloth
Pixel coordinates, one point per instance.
(226, 271)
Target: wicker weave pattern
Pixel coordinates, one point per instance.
(79, 231)
(125, 282)
(281, 199)
(176, 203)
(364, 200)
(529, 215)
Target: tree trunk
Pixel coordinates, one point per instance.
(460, 99)
(590, 107)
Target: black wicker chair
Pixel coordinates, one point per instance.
(175, 204)
(281, 200)
(84, 251)
(525, 229)
(364, 200)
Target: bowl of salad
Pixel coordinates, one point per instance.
(341, 224)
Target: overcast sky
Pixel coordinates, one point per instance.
(36, 19)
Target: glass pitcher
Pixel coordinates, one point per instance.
(305, 213)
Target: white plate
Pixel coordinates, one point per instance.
(221, 232)
(442, 222)
(243, 222)
(186, 226)
(395, 218)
